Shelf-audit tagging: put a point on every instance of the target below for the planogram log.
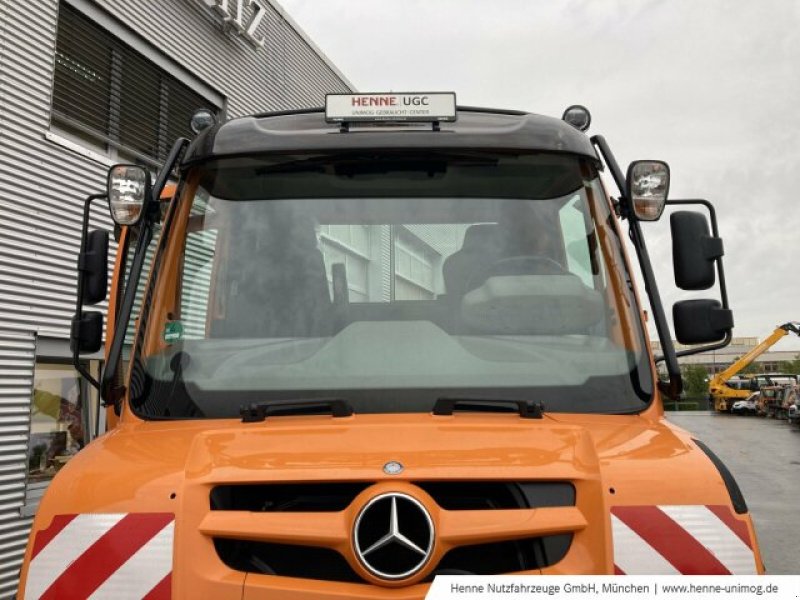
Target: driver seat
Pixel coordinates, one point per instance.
(483, 245)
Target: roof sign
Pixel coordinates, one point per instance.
(419, 107)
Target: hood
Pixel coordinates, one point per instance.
(389, 500)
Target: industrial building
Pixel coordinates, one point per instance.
(718, 360)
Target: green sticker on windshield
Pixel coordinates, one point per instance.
(173, 332)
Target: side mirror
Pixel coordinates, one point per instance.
(86, 333)
(93, 265)
(694, 250)
(129, 188)
(701, 321)
(647, 186)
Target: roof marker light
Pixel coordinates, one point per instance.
(202, 119)
(578, 116)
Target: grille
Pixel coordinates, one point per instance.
(450, 495)
(505, 557)
(311, 562)
(307, 562)
(292, 497)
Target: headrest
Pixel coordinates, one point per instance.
(482, 236)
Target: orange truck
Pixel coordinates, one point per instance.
(362, 346)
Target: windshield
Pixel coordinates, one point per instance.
(391, 280)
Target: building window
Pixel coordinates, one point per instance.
(60, 419)
(108, 93)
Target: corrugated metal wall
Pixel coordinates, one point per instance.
(16, 382)
(42, 183)
(286, 72)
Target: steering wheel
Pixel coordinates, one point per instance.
(517, 265)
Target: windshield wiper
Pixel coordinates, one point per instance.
(526, 408)
(300, 406)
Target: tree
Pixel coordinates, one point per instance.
(752, 369)
(790, 366)
(695, 380)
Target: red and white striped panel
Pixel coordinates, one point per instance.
(103, 556)
(675, 540)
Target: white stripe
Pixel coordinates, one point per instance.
(704, 526)
(634, 555)
(64, 549)
(142, 572)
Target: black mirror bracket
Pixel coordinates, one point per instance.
(674, 387)
(714, 250)
(112, 389)
(75, 332)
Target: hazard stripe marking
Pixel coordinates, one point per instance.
(100, 561)
(671, 540)
(144, 573)
(45, 536)
(714, 535)
(72, 541)
(634, 556)
(162, 591)
(738, 527)
(692, 539)
(105, 556)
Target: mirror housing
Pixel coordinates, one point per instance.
(86, 333)
(93, 265)
(129, 189)
(701, 321)
(694, 250)
(647, 186)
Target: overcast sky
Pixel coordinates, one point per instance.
(712, 87)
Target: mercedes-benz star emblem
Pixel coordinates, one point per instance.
(393, 536)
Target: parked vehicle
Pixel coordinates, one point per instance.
(382, 342)
(786, 399)
(721, 394)
(748, 406)
(793, 414)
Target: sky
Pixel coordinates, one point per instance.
(711, 87)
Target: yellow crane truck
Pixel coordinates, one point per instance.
(722, 395)
(387, 340)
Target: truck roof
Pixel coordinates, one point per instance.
(308, 131)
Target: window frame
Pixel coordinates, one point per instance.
(67, 131)
(91, 420)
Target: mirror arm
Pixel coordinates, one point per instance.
(625, 208)
(110, 391)
(76, 358)
(651, 287)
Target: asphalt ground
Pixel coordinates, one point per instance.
(764, 457)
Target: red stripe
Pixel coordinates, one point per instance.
(618, 571)
(670, 540)
(738, 527)
(162, 591)
(106, 555)
(45, 536)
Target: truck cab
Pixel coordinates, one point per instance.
(367, 348)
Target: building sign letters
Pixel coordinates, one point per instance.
(240, 16)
